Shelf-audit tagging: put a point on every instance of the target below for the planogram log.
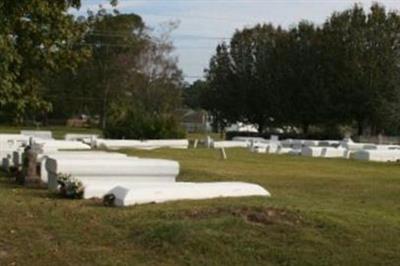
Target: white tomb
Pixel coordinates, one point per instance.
(329, 143)
(250, 139)
(325, 152)
(114, 144)
(85, 138)
(229, 144)
(8, 144)
(331, 152)
(291, 151)
(37, 134)
(377, 155)
(349, 144)
(148, 193)
(299, 143)
(311, 151)
(76, 155)
(43, 146)
(113, 169)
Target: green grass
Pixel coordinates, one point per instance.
(58, 131)
(322, 212)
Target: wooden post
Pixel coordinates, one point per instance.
(223, 153)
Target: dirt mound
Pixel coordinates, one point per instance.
(261, 216)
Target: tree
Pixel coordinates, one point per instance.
(363, 66)
(36, 40)
(152, 93)
(129, 69)
(304, 80)
(344, 72)
(245, 78)
(192, 94)
(115, 39)
(218, 98)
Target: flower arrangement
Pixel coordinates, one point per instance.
(108, 200)
(69, 187)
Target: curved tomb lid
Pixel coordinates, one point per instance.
(125, 196)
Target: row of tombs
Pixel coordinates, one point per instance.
(76, 168)
(346, 148)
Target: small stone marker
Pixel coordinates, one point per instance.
(196, 141)
(209, 141)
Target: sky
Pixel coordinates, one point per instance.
(205, 23)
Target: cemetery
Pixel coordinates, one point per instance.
(251, 192)
(95, 167)
(44, 160)
(140, 132)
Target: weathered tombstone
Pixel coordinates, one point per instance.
(274, 138)
(29, 174)
(196, 141)
(380, 139)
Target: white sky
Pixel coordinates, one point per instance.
(205, 23)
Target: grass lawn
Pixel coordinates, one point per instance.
(322, 212)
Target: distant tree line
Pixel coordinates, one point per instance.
(345, 72)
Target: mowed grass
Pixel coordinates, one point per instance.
(322, 212)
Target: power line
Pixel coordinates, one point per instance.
(183, 36)
(102, 44)
(205, 18)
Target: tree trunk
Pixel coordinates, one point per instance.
(360, 128)
(221, 130)
(104, 108)
(103, 114)
(305, 127)
(260, 127)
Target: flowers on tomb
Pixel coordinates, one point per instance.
(69, 187)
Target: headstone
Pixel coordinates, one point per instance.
(274, 138)
(29, 173)
(209, 142)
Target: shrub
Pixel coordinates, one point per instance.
(69, 187)
(144, 126)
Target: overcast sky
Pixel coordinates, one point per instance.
(205, 23)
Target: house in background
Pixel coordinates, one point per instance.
(195, 120)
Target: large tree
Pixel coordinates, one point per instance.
(129, 68)
(115, 40)
(304, 81)
(245, 78)
(219, 97)
(363, 66)
(37, 39)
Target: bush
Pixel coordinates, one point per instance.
(144, 126)
(69, 187)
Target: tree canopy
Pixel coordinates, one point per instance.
(36, 40)
(344, 72)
